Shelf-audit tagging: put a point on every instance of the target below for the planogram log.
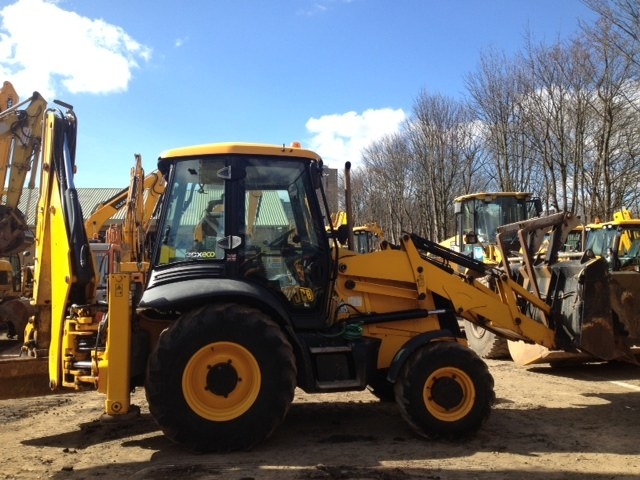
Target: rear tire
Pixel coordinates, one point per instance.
(445, 391)
(221, 378)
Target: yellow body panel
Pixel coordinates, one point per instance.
(397, 280)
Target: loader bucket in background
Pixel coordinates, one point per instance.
(625, 301)
(585, 300)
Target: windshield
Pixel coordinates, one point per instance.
(600, 240)
(484, 218)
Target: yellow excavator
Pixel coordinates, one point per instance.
(221, 332)
(20, 140)
(152, 186)
(127, 241)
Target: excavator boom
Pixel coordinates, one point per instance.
(152, 187)
(20, 140)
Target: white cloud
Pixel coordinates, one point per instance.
(46, 48)
(320, 6)
(339, 138)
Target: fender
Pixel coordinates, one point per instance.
(195, 292)
(411, 346)
(168, 296)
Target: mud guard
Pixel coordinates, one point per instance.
(408, 348)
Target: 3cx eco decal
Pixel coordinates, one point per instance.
(205, 255)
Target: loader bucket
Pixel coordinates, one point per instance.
(531, 354)
(594, 317)
(12, 230)
(625, 301)
(584, 298)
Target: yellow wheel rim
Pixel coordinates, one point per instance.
(221, 381)
(449, 394)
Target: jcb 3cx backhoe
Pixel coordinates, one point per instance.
(221, 327)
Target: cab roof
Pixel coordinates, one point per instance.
(239, 148)
(490, 196)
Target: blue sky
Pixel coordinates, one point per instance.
(333, 74)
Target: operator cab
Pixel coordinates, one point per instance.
(479, 215)
(247, 213)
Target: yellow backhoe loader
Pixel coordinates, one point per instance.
(221, 329)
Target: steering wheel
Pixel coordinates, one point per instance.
(281, 241)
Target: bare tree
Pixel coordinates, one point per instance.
(445, 151)
(497, 99)
(557, 115)
(611, 174)
(618, 28)
(389, 189)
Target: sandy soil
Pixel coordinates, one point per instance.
(573, 423)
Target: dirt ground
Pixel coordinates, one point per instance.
(572, 423)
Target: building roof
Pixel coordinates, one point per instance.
(89, 199)
(272, 209)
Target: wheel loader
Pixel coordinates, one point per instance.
(246, 297)
(478, 216)
(366, 237)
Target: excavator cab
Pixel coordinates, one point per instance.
(479, 215)
(275, 240)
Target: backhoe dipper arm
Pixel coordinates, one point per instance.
(61, 242)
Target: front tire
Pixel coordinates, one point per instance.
(445, 391)
(221, 378)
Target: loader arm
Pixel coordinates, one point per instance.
(557, 304)
(416, 272)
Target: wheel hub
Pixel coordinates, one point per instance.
(222, 379)
(447, 392)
